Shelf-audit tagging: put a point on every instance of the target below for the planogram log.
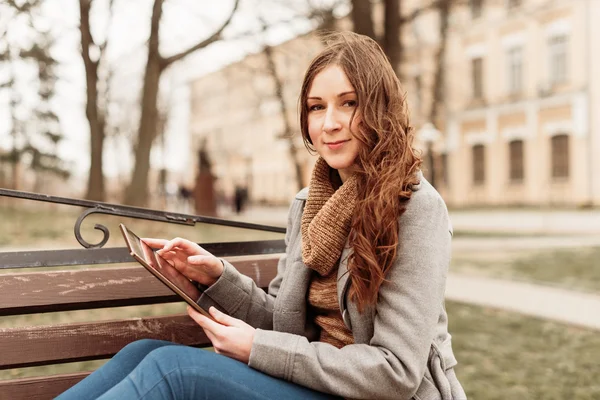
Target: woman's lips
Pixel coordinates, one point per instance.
(336, 145)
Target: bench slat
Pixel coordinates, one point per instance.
(112, 255)
(43, 345)
(39, 388)
(35, 292)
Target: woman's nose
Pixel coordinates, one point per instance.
(331, 122)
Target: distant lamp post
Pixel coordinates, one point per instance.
(429, 135)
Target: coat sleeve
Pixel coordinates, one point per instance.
(237, 294)
(393, 363)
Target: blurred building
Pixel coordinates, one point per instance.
(520, 122)
(236, 110)
(517, 125)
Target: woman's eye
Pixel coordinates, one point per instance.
(315, 107)
(350, 103)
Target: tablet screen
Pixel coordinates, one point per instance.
(161, 266)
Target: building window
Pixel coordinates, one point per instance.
(515, 70)
(557, 49)
(478, 164)
(516, 159)
(560, 156)
(476, 8)
(510, 4)
(477, 77)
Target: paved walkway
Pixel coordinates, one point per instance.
(558, 222)
(465, 244)
(548, 221)
(556, 304)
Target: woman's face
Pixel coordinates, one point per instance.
(331, 102)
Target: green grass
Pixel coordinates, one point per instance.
(503, 355)
(575, 269)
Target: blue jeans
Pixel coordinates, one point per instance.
(154, 369)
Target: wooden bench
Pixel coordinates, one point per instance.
(98, 286)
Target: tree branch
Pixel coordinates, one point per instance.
(213, 38)
(87, 40)
(102, 47)
(436, 4)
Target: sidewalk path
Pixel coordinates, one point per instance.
(462, 244)
(551, 303)
(557, 222)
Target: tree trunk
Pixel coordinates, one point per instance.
(392, 41)
(137, 191)
(288, 132)
(362, 18)
(438, 80)
(95, 189)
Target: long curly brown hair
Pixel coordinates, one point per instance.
(387, 163)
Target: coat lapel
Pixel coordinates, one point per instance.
(361, 324)
(342, 277)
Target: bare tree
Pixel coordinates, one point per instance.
(137, 190)
(95, 114)
(35, 131)
(288, 132)
(362, 18)
(392, 40)
(438, 94)
(444, 7)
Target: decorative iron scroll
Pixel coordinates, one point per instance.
(96, 207)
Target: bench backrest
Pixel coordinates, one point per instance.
(97, 287)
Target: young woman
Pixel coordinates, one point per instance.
(357, 307)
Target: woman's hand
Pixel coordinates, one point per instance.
(230, 336)
(188, 258)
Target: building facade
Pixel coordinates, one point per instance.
(520, 120)
(521, 124)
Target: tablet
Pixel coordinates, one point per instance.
(163, 270)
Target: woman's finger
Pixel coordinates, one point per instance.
(186, 245)
(205, 323)
(167, 255)
(203, 260)
(155, 243)
(183, 244)
(223, 318)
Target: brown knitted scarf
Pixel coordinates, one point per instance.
(326, 219)
(326, 223)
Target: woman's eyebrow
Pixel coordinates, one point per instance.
(339, 95)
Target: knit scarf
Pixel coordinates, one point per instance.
(327, 219)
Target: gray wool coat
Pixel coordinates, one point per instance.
(402, 346)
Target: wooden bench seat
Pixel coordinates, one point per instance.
(98, 287)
